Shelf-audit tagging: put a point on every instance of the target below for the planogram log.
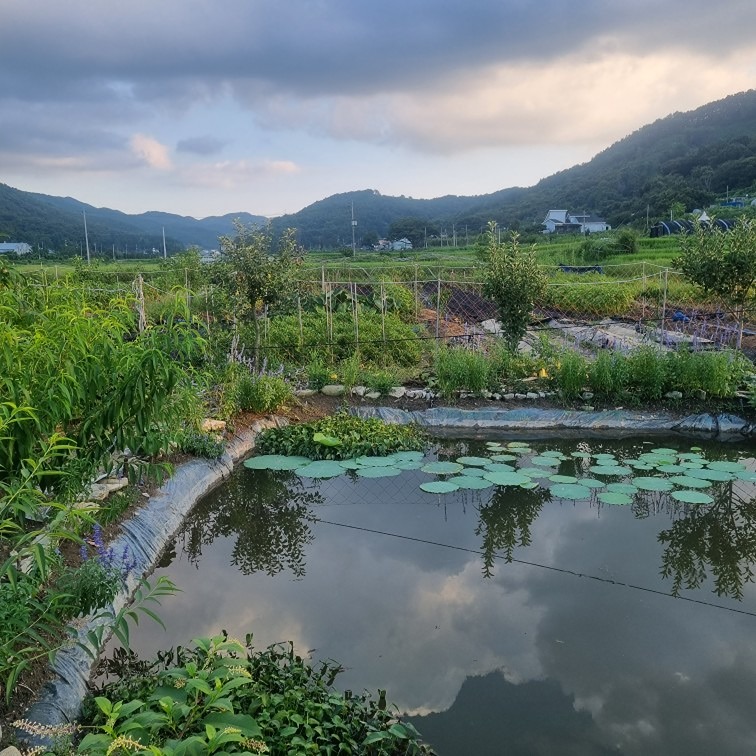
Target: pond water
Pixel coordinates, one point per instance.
(501, 619)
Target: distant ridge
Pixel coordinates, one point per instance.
(690, 158)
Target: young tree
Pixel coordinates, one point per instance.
(722, 263)
(514, 280)
(260, 274)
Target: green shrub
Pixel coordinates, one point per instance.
(460, 369)
(262, 393)
(506, 368)
(647, 372)
(356, 436)
(220, 696)
(381, 380)
(572, 374)
(207, 445)
(608, 375)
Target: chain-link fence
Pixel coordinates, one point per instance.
(389, 313)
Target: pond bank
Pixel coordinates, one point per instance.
(153, 526)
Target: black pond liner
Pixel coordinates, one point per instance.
(152, 527)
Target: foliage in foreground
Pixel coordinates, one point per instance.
(222, 697)
(340, 436)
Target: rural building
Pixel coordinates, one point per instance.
(401, 244)
(564, 222)
(686, 226)
(20, 248)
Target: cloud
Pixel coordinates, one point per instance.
(150, 151)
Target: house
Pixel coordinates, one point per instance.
(564, 222)
(20, 248)
(400, 244)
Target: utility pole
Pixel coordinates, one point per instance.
(86, 235)
(165, 253)
(354, 227)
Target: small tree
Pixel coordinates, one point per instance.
(260, 274)
(722, 263)
(514, 280)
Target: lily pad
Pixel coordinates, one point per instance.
(692, 497)
(571, 491)
(375, 461)
(350, 464)
(615, 498)
(324, 468)
(610, 470)
(378, 472)
(563, 479)
(474, 472)
(707, 474)
(686, 481)
(503, 458)
(591, 483)
(518, 445)
(665, 451)
(442, 468)
(474, 461)
(471, 482)
(275, 462)
(653, 484)
(529, 486)
(506, 478)
(555, 454)
(499, 467)
(545, 461)
(725, 466)
(409, 464)
(639, 465)
(535, 472)
(671, 469)
(622, 488)
(746, 475)
(439, 486)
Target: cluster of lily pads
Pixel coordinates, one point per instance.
(683, 474)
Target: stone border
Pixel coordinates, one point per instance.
(146, 534)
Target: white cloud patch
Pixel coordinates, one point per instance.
(152, 152)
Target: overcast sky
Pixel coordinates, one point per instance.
(204, 107)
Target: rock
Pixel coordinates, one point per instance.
(587, 395)
(359, 390)
(115, 484)
(496, 397)
(333, 389)
(209, 425)
(520, 396)
(508, 397)
(98, 492)
(699, 394)
(673, 395)
(373, 395)
(486, 394)
(541, 394)
(10, 751)
(305, 393)
(587, 407)
(397, 392)
(531, 395)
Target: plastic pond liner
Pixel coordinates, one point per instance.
(498, 524)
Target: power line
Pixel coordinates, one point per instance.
(549, 567)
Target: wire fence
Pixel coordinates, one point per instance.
(378, 311)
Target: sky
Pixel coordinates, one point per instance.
(207, 107)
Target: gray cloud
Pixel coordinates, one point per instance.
(203, 145)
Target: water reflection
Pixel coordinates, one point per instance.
(533, 658)
(270, 521)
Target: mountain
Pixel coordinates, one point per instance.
(689, 158)
(58, 223)
(686, 158)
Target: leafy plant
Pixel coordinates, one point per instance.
(647, 372)
(356, 436)
(262, 393)
(460, 369)
(207, 445)
(572, 374)
(514, 280)
(222, 697)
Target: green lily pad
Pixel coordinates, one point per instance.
(442, 468)
(439, 486)
(378, 472)
(563, 479)
(638, 465)
(610, 470)
(746, 475)
(615, 498)
(686, 481)
(529, 486)
(653, 484)
(275, 462)
(591, 483)
(665, 451)
(545, 461)
(725, 466)
(499, 467)
(350, 464)
(535, 472)
(321, 438)
(518, 445)
(409, 464)
(503, 458)
(692, 497)
(624, 488)
(707, 474)
(690, 464)
(376, 461)
(324, 468)
(471, 482)
(571, 491)
(555, 454)
(474, 461)
(506, 478)
(692, 457)
(474, 472)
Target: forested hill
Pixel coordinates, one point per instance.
(57, 223)
(687, 158)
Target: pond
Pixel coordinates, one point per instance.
(612, 614)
